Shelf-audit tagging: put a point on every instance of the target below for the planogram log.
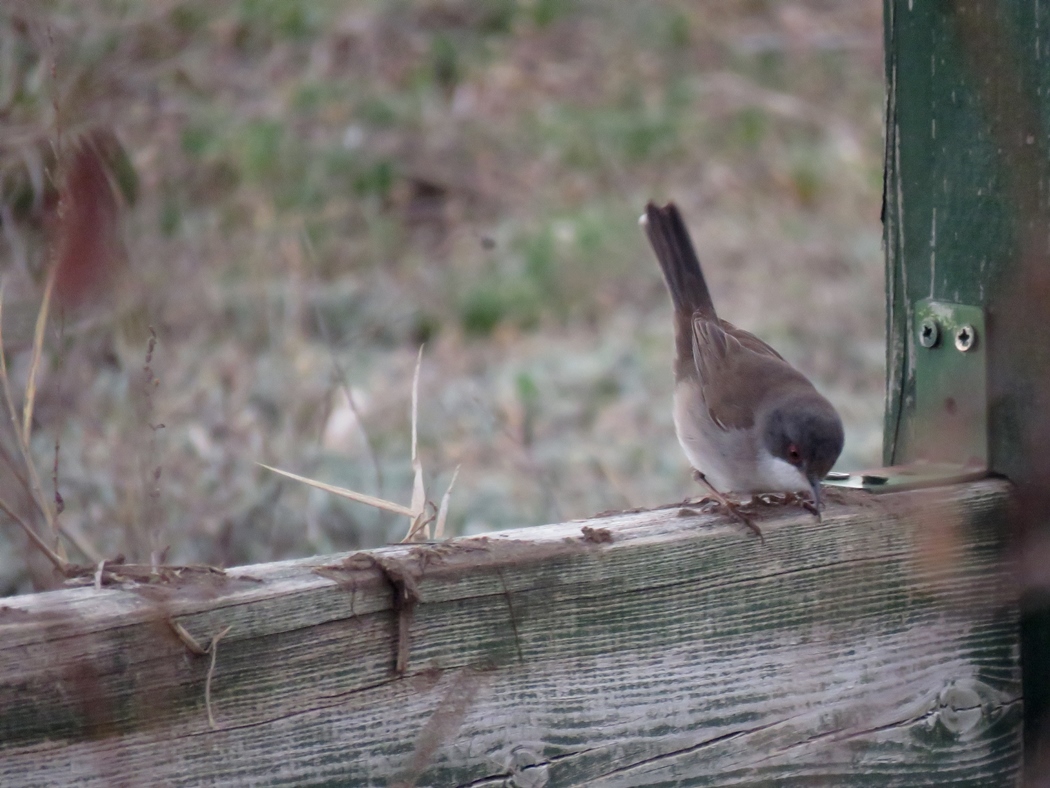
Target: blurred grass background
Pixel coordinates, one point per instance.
(313, 189)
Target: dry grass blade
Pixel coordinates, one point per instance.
(342, 492)
(442, 515)
(22, 439)
(38, 351)
(417, 528)
(417, 512)
(415, 404)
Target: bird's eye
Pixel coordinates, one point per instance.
(794, 456)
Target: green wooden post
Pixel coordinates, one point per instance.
(967, 222)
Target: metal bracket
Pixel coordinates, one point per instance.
(951, 384)
(949, 441)
(912, 476)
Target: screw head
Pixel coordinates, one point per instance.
(929, 332)
(965, 338)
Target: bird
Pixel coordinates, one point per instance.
(747, 420)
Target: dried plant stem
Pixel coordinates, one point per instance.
(442, 515)
(13, 466)
(152, 510)
(187, 639)
(417, 529)
(342, 492)
(36, 490)
(38, 352)
(22, 435)
(195, 648)
(56, 560)
(419, 522)
(60, 504)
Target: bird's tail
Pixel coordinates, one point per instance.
(674, 250)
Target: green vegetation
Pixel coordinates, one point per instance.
(310, 190)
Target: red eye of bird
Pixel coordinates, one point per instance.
(793, 454)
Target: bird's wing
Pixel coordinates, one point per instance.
(749, 340)
(724, 356)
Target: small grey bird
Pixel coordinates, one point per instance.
(747, 420)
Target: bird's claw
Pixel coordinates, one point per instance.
(731, 508)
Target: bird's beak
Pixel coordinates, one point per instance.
(814, 485)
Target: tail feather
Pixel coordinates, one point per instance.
(670, 240)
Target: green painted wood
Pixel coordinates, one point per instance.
(880, 646)
(967, 220)
(967, 196)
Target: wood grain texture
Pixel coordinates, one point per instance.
(877, 647)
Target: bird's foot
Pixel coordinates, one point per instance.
(732, 508)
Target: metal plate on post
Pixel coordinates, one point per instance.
(951, 402)
(951, 384)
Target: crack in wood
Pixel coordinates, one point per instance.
(846, 734)
(513, 620)
(444, 723)
(690, 749)
(502, 777)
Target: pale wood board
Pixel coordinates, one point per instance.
(878, 647)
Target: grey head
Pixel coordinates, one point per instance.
(804, 431)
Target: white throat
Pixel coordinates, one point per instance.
(775, 474)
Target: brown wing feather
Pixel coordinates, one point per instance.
(724, 354)
(749, 340)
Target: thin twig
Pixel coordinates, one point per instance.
(57, 561)
(60, 504)
(12, 466)
(214, 649)
(187, 639)
(196, 649)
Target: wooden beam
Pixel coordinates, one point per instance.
(877, 647)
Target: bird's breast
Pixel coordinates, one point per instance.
(733, 460)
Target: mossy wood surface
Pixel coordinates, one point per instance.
(879, 647)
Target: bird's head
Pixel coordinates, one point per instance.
(805, 432)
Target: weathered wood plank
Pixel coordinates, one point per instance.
(877, 647)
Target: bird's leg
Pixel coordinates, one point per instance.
(810, 506)
(729, 506)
